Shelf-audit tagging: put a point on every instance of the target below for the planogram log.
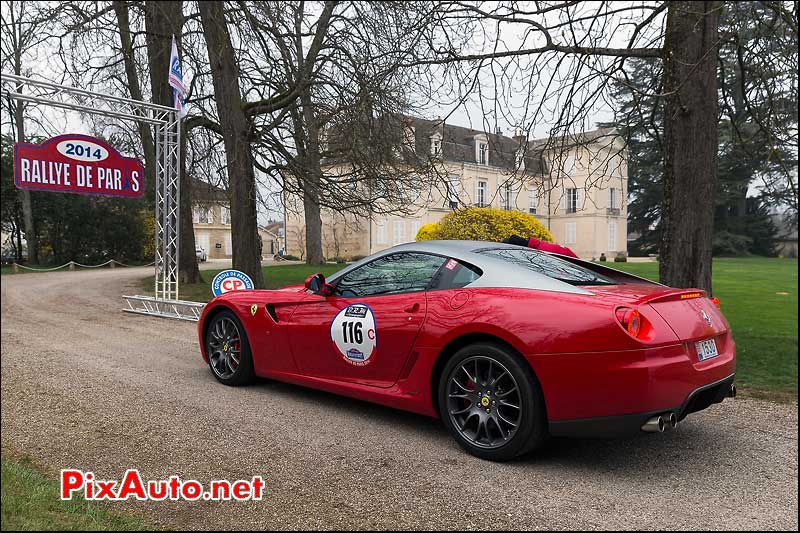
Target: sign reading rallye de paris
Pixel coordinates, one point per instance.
(230, 280)
(77, 164)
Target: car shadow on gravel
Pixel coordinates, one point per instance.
(377, 414)
(684, 444)
(672, 450)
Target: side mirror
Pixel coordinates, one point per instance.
(316, 284)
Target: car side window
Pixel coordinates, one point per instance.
(391, 274)
(456, 274)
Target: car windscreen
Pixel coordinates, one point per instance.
(548, 265)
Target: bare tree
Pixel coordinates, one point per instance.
(344, 144)
(236, 132)
(139, 37)
(565, 60)
(163, 21)
(23, 29)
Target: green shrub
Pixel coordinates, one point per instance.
(488, 224)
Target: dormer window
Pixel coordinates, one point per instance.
(483, 153)
(436, 145)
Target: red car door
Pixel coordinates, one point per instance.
(364, 333)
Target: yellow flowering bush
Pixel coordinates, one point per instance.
(486, 224)
(427, 232)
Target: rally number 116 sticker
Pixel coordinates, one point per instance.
(353, 334)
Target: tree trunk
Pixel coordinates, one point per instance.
(132, 77)
(691, 140)
(162, 21)
(27, 209)
(312, 180)
(18, 234)
(313, 230)
(238, 152)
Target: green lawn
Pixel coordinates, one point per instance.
(31, 503)
(7, 269)
(275, 277)
(759, 298)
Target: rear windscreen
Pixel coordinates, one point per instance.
(548, 265)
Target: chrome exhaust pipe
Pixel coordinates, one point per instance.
(732, 391)
(654, 425)
(670, 420)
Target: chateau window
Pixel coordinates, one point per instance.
(570, 232)
(533, 200)
(436, 147)
(572, 198)
(453, 186)
(381, 225)
(483, 153)
(505, 194)
(480, 196)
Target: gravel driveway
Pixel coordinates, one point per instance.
(87, 386)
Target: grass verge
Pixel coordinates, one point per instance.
(275, 277)
(31, 503)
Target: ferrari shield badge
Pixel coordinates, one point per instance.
(253, 309)
(353, 334)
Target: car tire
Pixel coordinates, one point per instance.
(226, 339)
(489, 401)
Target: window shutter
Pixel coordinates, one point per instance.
(612, 236)
(579, 199)
(564, 200)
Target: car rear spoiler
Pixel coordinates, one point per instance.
(674, 294)
(613, 273)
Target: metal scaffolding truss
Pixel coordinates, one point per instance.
(165, 124)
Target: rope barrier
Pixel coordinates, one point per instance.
(74, 264)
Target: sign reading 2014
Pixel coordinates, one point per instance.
(77, 164)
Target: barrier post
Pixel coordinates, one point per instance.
(113, 264)
(15, 268)
(72, 266)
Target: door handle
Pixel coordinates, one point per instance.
(412, 308)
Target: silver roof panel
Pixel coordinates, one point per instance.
(497, 273)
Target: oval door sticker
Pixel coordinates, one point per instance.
(353, 334)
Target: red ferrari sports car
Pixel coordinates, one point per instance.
(505, 344)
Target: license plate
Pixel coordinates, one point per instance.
(706, 349)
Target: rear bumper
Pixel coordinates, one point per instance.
(612, 391)
(628, 425)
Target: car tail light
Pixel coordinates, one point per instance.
(631, 320)
(715, 301)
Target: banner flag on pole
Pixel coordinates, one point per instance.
(176, 80)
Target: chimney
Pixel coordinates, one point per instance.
(519, 137)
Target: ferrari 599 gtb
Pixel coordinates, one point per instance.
(505, 344)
